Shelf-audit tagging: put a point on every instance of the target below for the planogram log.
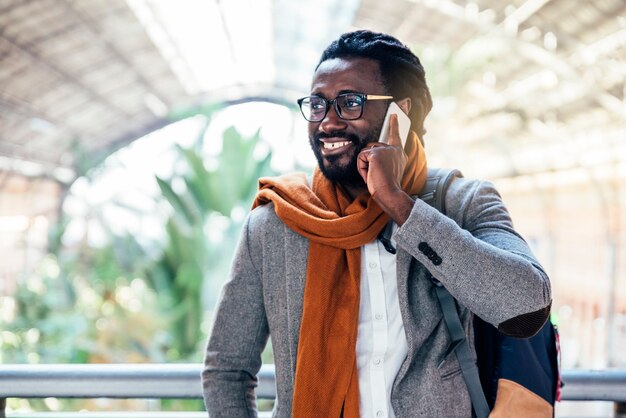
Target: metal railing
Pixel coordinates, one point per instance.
(182, 381)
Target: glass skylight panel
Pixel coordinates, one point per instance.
(190, 35)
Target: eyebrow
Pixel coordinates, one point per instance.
(348, 91)
(344, 91)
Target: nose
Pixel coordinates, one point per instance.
(332, 122)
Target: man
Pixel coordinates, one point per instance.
(356, 330)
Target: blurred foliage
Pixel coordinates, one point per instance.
(202, 231)
(114, 303)
(82, 307)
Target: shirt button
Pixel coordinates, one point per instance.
(377, 361)
(378, 316)
(379, 413)
(373, 265)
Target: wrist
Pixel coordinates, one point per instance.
(396, 203)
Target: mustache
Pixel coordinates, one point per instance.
(337, 134)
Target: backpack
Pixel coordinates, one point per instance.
(530, 362)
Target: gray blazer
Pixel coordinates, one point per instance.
(478, 257)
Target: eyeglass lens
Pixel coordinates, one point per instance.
(348, 106)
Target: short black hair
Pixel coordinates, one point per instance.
(402, 72)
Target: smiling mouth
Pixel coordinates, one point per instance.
(335, 145)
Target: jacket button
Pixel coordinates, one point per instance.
(437, 260)
(423, 247)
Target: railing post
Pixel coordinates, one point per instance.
(620, 409)
(3, 405)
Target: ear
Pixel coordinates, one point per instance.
(405, 104)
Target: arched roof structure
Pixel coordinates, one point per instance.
(525, 79)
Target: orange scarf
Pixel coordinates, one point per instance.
(326, 372)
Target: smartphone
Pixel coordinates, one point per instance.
(404, 124)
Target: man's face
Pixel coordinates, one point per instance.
(336, 143)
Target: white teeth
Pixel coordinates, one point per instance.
(333, 145)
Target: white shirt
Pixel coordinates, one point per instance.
(381, 344)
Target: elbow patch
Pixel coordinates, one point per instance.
(525, 325)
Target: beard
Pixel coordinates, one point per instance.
(331, 166)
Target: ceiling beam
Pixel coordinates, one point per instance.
(524, 12)
(27, 111)
(147, 15)
(94, 27)
(227, 34)
(16, 3)
(445, 7)
(543, 57)
(27, 50)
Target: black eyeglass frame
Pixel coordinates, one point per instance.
(333, 102)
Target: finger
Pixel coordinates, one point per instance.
(362, 157)
(362, 164)
(394, 131)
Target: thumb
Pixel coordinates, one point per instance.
(394, 131)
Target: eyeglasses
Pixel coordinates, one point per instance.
(349, 106)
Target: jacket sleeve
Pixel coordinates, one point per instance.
(237, 339)
(478, 256)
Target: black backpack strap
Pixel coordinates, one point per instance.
(437, 183)
(460, 346)
(434, 194)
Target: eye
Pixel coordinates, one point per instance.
(317, 105)
(351, 101)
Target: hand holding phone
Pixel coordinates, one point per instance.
(404, 124)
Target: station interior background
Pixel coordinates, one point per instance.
(95, 95)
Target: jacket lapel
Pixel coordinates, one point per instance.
(418, 305)
(297, 251)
